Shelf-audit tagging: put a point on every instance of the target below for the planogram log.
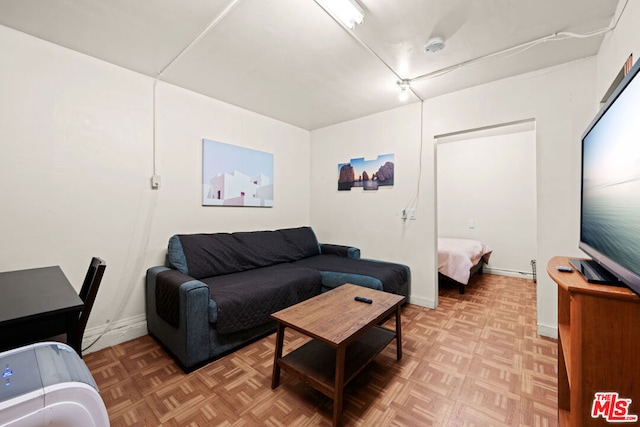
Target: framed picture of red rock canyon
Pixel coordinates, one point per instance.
(368, 174)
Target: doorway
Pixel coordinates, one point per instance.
(486, 191)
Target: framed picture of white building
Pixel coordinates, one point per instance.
(236, 176)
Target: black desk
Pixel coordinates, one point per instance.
(38, 304)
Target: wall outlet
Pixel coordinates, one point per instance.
(403, 214)
(412, 213)
(155, 182)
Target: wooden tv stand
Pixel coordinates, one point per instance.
(598, 346)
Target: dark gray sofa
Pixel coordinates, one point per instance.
(217, 291)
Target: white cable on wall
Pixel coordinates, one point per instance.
(139, 257)
(416, 197)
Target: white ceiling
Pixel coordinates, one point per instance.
(289, 60)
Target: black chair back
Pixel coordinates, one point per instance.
(89, 291)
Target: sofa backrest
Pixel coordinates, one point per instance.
(207, 255)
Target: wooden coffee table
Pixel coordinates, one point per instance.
(346, 337)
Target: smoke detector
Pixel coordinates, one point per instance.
(434, 45)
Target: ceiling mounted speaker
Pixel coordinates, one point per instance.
(434, 45)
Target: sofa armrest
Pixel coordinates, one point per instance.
(340, 250)
(189, 339)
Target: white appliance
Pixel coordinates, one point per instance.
(48, 384)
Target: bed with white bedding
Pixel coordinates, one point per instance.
(459, 259)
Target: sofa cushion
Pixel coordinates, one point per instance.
(392, 276)
(206, 255)
(333, 279)
(247, 299)
(175, 255)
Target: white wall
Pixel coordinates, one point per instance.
(559, 99)
(371, 220)
(486, 189)
(76, 144)
(617, 46)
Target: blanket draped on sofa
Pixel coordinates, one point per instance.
(248, 298)
(206, 255)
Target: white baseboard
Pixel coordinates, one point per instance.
(115, 333)
(422, 302)
(505, 272)
(548, 331)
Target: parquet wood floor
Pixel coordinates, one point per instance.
(474, 361)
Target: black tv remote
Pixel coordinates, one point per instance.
(363, 299)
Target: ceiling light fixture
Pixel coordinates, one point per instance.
(346, 11)
(434, 45)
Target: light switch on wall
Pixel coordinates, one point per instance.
(155, 182)
(472, 223)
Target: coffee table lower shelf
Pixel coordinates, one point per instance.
(315, 362)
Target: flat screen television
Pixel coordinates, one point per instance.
(610, 190)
